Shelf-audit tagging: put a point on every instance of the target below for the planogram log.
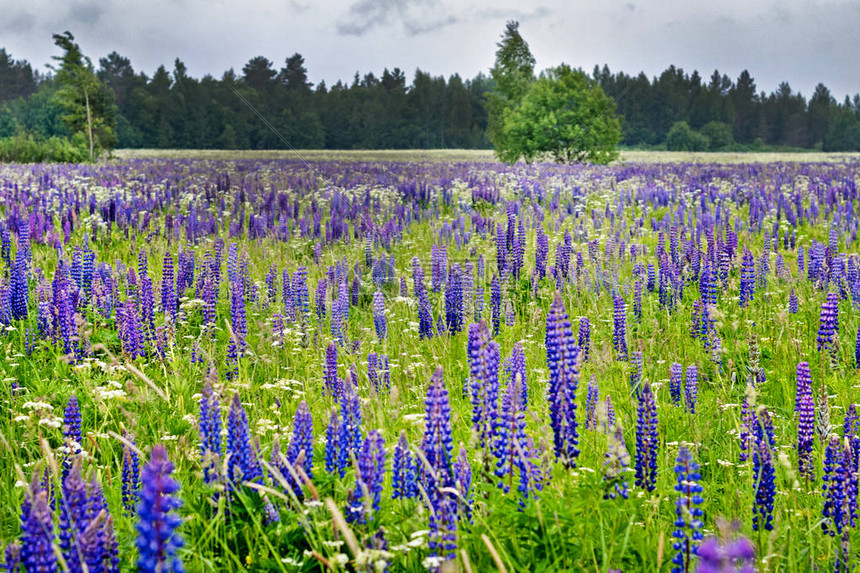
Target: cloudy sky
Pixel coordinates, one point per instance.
(799, 41)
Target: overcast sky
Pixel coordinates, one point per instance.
(799, 41)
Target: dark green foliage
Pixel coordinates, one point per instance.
(718, 134)
(682, 138)
(562, 117)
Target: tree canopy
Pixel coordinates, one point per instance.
(563, 117)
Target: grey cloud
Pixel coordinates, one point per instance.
(495, 13)
(86, 13)
(416, 16)
(18, 22)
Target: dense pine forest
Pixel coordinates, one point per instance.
(171, 109)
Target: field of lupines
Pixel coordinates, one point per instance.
(267, 365)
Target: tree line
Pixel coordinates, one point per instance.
(171, 109)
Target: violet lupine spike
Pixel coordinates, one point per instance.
(157, 537)
(562, 359)
(635, 371)
(691, 389)
(688, 525)
(519, 372)
(676, 373)
(350, 440)
(584, 341)
(242, 464)
(168, 292)
(379, 319)
(463, 481)
(37, 532)
(404, 471)
(332, 442)
(302, 441)
(496, 304)
(454, 301)
(647, 440)
(805, 436)
(764, 472)
(210, 432)
(637, 300)
(130, 476)
(619, 336)
(369, 478)
(747, 278)
(829, 326)
(74, 516)
(484, 383)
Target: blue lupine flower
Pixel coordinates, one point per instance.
(484, 383)
(379, 319)
(130, 476)
(691, 389)
(369, 478)
(157, 538)
(562, 356)
(242, 462)
(404, 471)
(688, 525)
(647, 440)
(349, 440)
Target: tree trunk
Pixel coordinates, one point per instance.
(89, 122)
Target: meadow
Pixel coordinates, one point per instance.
(411, 361)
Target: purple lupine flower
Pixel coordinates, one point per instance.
(688, 525)
(425, 316)
(463, 483)
(736, 556)
(210, 432)
(691, 389)
(302, 444)
(320, 300)
(647, 440)
(501, 249)
(496, 304)
(131, 336)
(330, 370)
(591, 400)
(350, 440)
(37, 532)
(804, 384)
(635, 371)
(130, 476)
(404, 471)
(19, 295)
(541, 252)
(72, 420)
(792, 302)
(829, 322)
(584, 341)
(332, 442)
(12, 556)
(484, 383)
(518, 370)
(369, 478)
(562, 356)
(747, 278)
(619, 336)
(379, 319)
(437, 474)
(454, 301)
(168, 292)
(839, 487)
(237, 317)
(242, 465)
(512, 447)
(157, 538)
(74, 517)
(805, 435)
(676, 372)
(301, 298)
(438, 266)
(147, 308)
(764, 472)
(437, 444)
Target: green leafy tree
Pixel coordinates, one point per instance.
(88, 104)
(512, 74)
(565, 117)
(682, 138)
(719, 135)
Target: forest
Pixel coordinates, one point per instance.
(171, 109)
